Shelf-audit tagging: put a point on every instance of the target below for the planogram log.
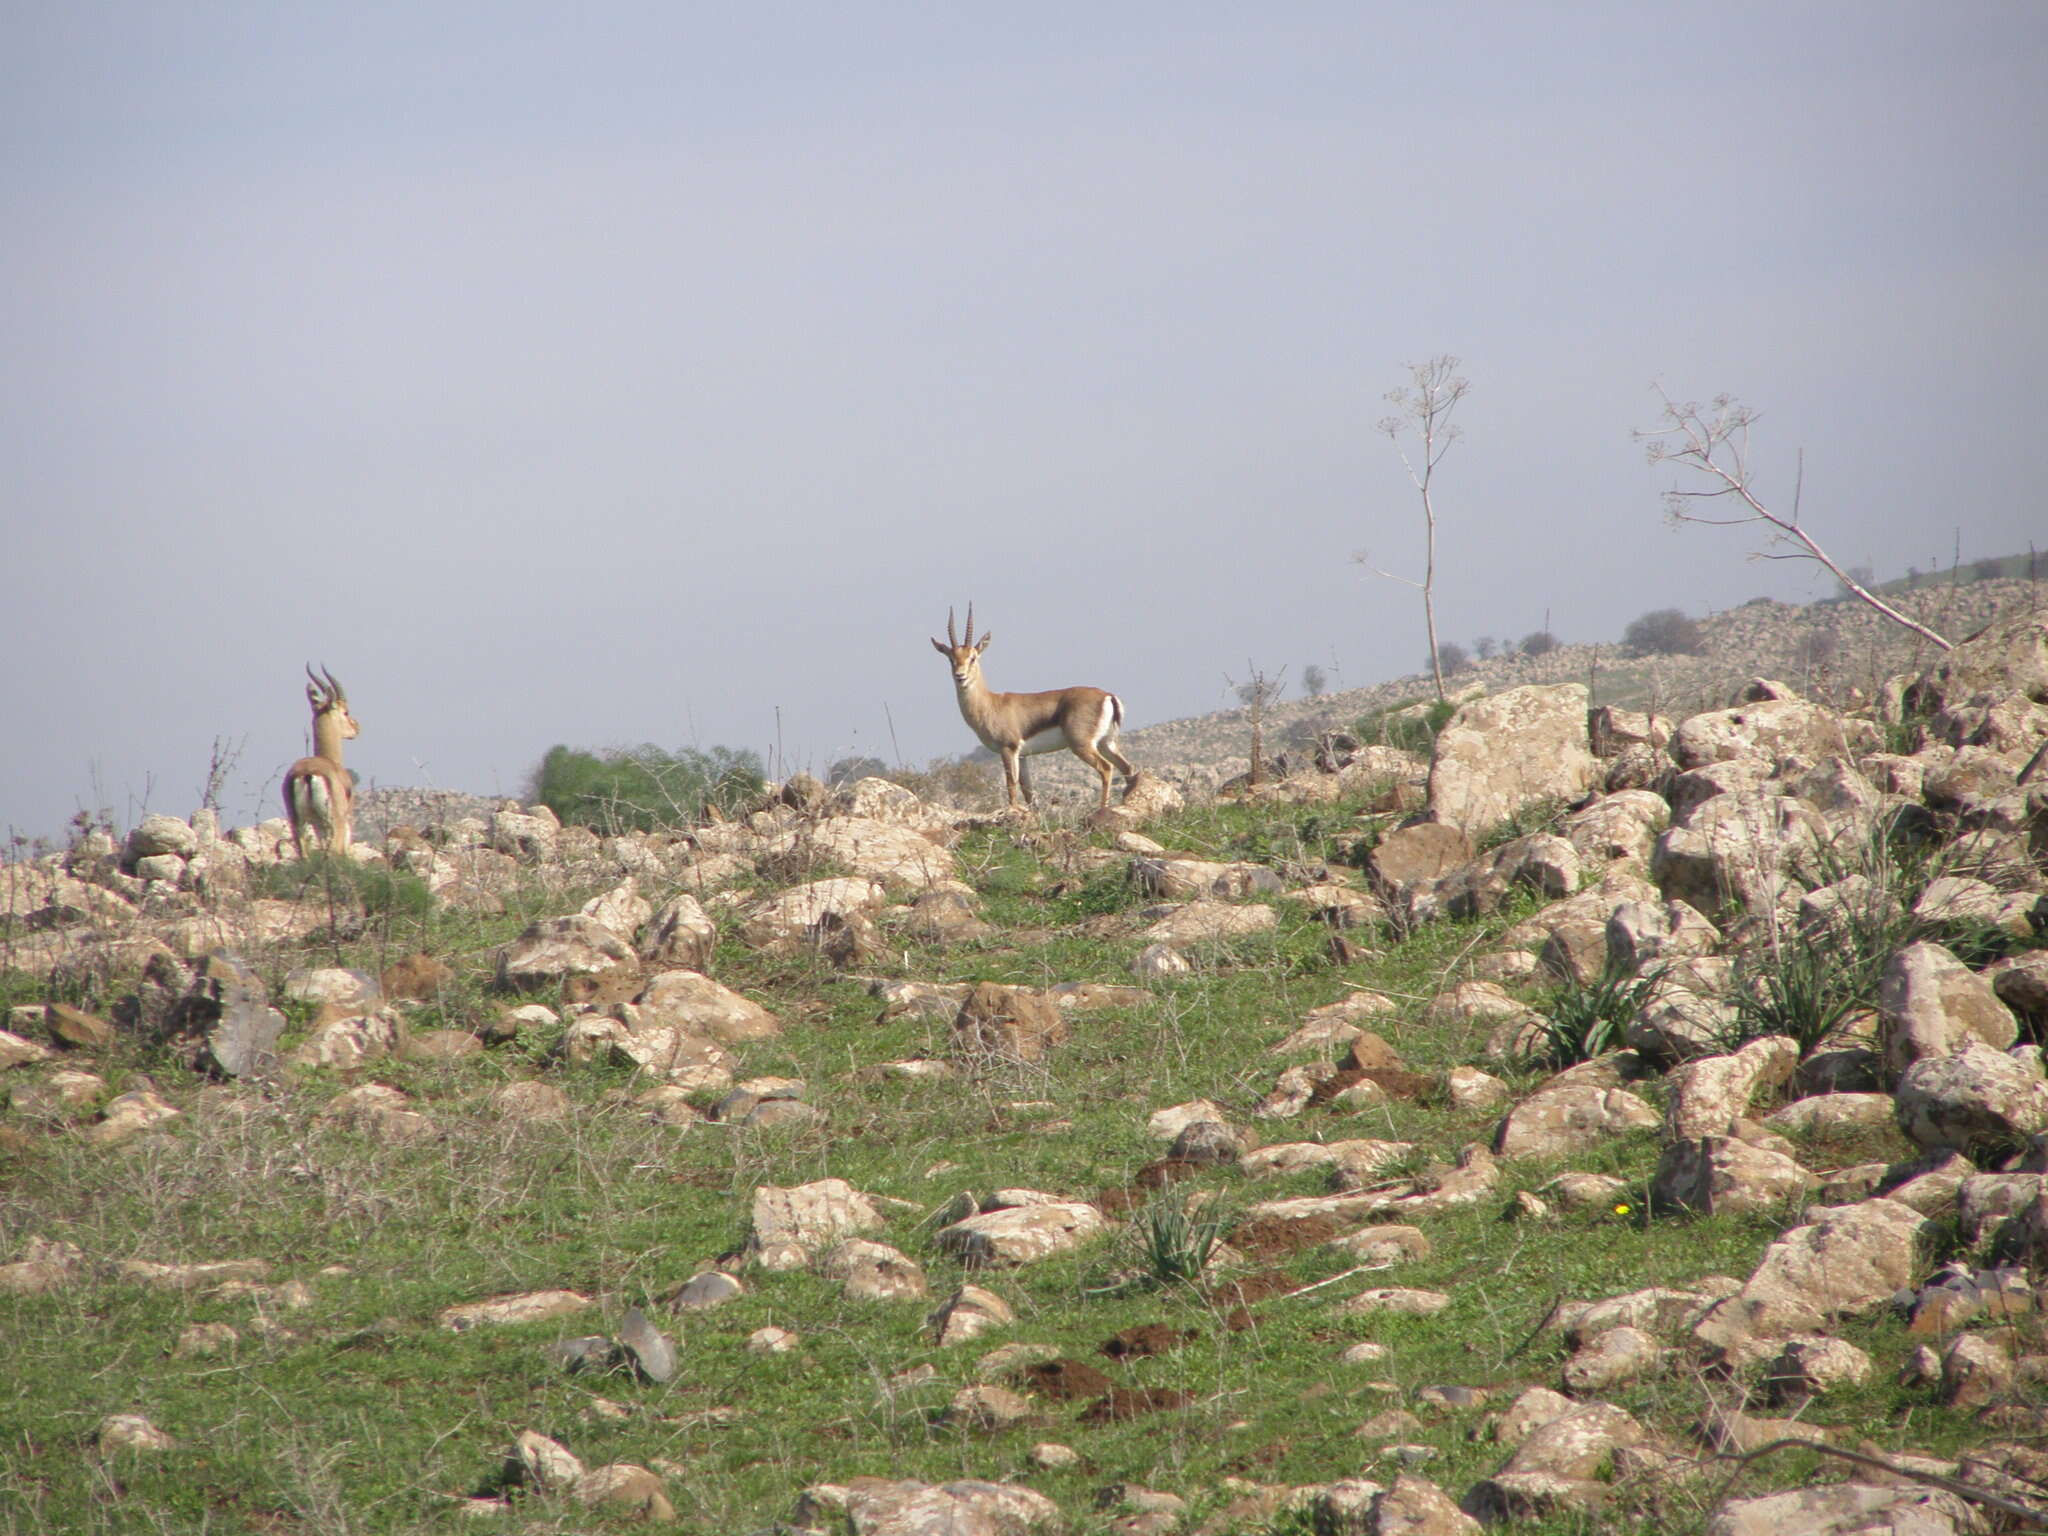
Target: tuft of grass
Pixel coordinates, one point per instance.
(1179, 1238)
(1582, 1020)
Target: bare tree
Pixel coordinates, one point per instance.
(1256, 693)
(1712, 442)
(1427, 408)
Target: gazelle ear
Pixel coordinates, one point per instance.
(313, 695)
(982, 644)
(941, 649)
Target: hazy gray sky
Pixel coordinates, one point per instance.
(662, 372)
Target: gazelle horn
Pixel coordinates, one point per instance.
(951, 638)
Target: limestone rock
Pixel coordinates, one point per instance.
(790, 917)
(695, 1004)
(1020, 1235)
(553, 949)
(1843, 1263)
(1200, 922)
(1979, 1101)
(1613, 1359)
(808, 1218)
(525, 1307)
(1929, 1003)
(1710, 1092)
(130, 1431)
(1847, 1509)
(1501, 752)
(679, 935)
(874, 1271)
(1768, 730)
(967, 1314)
(1813, 1364)
(874, 1506)
(1721, 1173)
(1564, 1116)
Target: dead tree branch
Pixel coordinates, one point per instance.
(1712, 442)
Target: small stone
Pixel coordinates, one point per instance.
(712, 1288)
(652, 1352)
(130, 1432)
(771, 1341)
(1409, 1303)
(1053, 1456)
(546, 1464)
(527, 1307)
(203, 1339)
(988, 1407)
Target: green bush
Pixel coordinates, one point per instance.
(635, 789)
(1395, 726)
(1540, 643)
(1665, 632)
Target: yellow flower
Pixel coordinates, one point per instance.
(1621, 1210)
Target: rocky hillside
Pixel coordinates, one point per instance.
(1619, 1120)
(1836, 652)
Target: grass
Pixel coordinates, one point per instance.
(358, 1413)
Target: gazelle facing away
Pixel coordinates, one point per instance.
(1084, 721)
(317, 791)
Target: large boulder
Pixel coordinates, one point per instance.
(1769, 730)
(1721, 1173)
(1502, 752)
(1738, 847)
(689, 1001)
(1930, 1004)
(553, 949)
(1845, 1262)
(1978, 1101)
(2007, 661)
(680, 933)
(1020, 1234)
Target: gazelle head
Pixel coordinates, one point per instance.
(330, 702)
(965, 655)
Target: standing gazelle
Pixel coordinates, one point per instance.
(1015, 725)
(317, 789)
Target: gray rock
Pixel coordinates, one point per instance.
(226, 1019)
(1720, 1173)
(1846, 1509)
(1843, 1263)
(1564, 1116)
(710, 1288)
(652, 1352)
(1978, 1101)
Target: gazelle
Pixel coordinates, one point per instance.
(317, 789)
(1015, 725)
